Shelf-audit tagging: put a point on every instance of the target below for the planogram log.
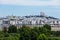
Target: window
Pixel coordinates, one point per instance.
(57, 21)
(6, 22)
(40, 22)
(36, 22)
(53, 22)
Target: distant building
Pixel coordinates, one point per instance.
(33, 20)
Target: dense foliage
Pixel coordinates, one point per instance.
(12, 29)
(28, 33)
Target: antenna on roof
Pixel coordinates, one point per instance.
(12, 11)
(12, 14)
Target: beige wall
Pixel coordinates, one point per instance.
(55, 28)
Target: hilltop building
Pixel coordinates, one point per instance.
(33, 20)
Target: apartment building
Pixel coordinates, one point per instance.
(32, 20)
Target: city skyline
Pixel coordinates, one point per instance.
(29, 7)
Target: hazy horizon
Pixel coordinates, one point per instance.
(29, 7)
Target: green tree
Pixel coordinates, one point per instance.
(47, 26)
(4, 29)
(42, 37)
(33, 35)
(14, 36)
(24, 33)
(12, 29)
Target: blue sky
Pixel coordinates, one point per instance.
(29, 7)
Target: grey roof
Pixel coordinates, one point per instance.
(41, 16)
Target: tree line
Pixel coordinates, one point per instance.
(28, 33)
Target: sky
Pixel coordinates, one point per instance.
(29, 7)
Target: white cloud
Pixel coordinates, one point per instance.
(31, 2)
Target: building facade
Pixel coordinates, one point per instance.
(32, 20)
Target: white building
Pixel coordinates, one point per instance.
(34, 20)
